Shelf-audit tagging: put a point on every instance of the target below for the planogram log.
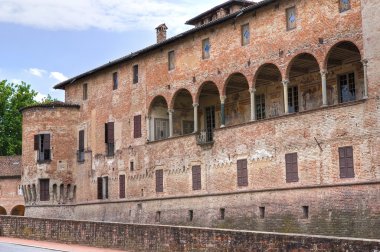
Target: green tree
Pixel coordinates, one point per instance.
(12, 98)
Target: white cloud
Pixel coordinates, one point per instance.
(58, 76)
(36, 72)
(116, 15)
(40, 97)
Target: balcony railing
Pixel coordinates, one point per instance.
(205, 136)
(80, 156)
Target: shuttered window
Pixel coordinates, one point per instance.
(105, 187)
(42, 145)
(242, 172)
(137, 126)
(100, 188)
(346, 162)
(197, 181)
(291, 167)
(159, 180)
(44, 190)
(122, 186)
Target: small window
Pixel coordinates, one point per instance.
(347, 87)
(44, 190)
(242, 173)
(137, 126)
(222, 212)
(159, 180)
(85, 91)
(291, 18)
(102, 187)
(158, 216)
(344, 5)
(115, 81)
(122, 186)
(42, 146)
(131, 166)
(346, 162)
(245, 34)
(206, 48)
(135, 74)
(260, 106)
(191, 215)
(305, 211)
(291, 167)
(109, 138)
(171, 57)
(196, 175)
(262, 212)
(80, 154)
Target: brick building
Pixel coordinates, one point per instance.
(11, 196)
(263, 116)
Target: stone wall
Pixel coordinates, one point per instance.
(168, 238)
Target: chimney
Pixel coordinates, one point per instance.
(161, 32)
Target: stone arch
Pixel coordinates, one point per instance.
(306, 59)
(354, 47)
(202, 86)
(304, 90)
(268, 71)
(268, 89)
(345, 73)
(158, 119)
(3, 211)
(18, 210)
(183, 112)
(237, 103)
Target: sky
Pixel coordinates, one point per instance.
(44, 42)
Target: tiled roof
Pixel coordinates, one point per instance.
(55, 104)
(131, 56)
(10, 166)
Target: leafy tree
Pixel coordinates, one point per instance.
(48, 99)
(12, 98)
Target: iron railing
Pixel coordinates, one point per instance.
(205, 136)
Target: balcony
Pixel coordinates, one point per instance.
(205, 137)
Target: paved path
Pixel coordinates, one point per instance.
(20, 245)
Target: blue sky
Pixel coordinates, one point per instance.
(44, 42)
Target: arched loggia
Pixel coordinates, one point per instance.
(237, 104)
(18, 210)
(345, 74)
(267, 95)
(183, 113)
(304, 90)
(158, 119)
(209, 115)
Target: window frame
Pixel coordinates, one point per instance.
(137, 131)
(122, 186)
(341, 6)
(115, 80)
(135, 74)
(291, 159)
(245, 41)
(287, 15)
(242, 172)
(339, 80)
(196, 172)
(171, 60)
(343, 165)
(85, 91)
(159, 175)
(42, 144)
(44, 189)
(206, 55)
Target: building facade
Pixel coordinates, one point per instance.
(263, 116)
(11, 193)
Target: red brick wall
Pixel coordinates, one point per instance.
(168, 238)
